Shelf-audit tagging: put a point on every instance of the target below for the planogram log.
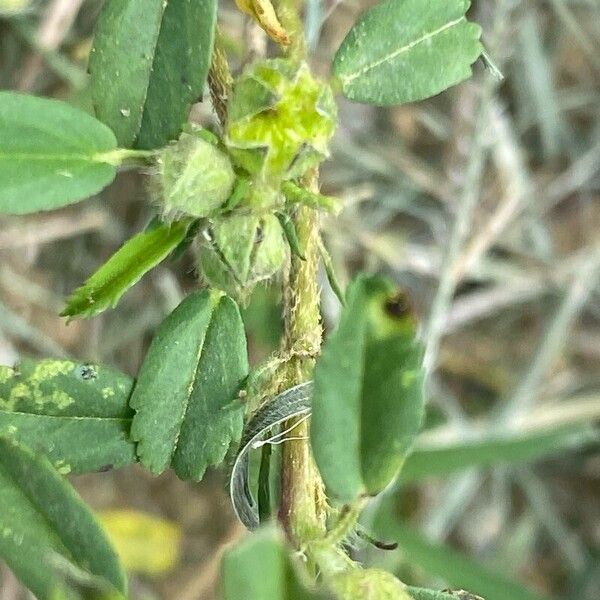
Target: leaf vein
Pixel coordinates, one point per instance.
(65, 418)
(392, 55)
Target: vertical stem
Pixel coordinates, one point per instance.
(303, 507)
(219, 80)
(288, 13)
(303, 504)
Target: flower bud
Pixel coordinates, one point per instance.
(241, 251)
(368, 584)
(280, 120)
(195, 177)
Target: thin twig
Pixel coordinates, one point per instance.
(553, 341)
(551, 520)
(511, 165)
(462, 223)
(20, 329)
(57, 21)
(54, 226)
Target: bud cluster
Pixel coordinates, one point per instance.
(280, 121)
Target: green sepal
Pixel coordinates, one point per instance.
(195, 177)
(280, 120)
(289, 229)
(296, 194)
(241, 252)
(241, 190)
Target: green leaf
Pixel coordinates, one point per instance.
(125, 268)
(51, 154)
(77, 414)
(260, 568)
(459, 570)
(368, 397)
(407, 50)
(517, 447)
(149, 63)
(42, 516)
(196, 364)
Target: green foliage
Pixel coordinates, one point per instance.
(280, 120)
(299, 195)
(149, 63)
(407, 50)
(291, 235)
(260, 568)
(368, 398)
(516, 448)
(184, 398)
(195, 176)
(125, 268)
(242, 252)
(51, 154)
(42, 519)
(74, 413)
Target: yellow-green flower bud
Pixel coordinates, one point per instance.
(280, 120)
(367, 584)
(194, 176)
(241, 251)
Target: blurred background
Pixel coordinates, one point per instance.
(484, 203)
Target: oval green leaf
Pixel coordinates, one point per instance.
(125, 268)
(77, 414)
(407, 50)
(368, 394)
(41, 519)
(261, 568)
(149, 63)
(185, 397)
(51, 154)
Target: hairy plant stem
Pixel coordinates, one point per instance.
(303, 508)
(220, 80)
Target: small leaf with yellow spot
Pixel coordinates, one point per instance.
(368, 397)
(77, 414)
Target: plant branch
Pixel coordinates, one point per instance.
(303, 507)
(219, 80)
